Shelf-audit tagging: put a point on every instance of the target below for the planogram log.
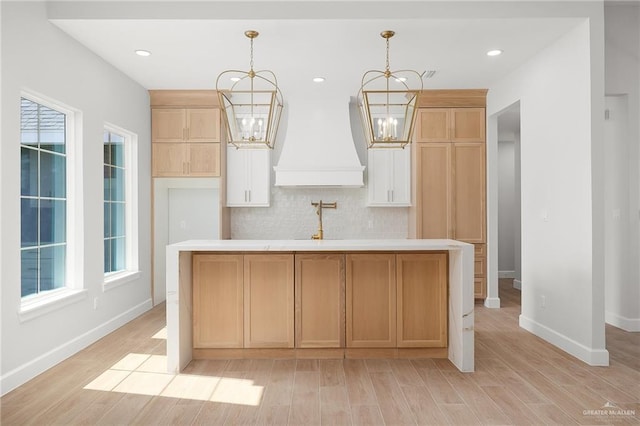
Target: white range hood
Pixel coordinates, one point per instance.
(317, 140)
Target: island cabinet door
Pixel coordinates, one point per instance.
(319, 292)
(371, 300)
(268, 301)
(217, 301)
(422, 300)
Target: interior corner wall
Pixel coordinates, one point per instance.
(39, 58)
(506, 209)
(560, 264)
(622, 206)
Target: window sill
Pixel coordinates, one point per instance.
(54, 300)
(117, 279)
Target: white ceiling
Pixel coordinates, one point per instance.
(189, 53)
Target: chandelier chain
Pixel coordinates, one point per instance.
(251, 55)
(387, 63)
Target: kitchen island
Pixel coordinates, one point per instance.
(362, 258)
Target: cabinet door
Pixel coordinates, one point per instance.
(467, 125)
(389, 177)
(433, 125)
(469, 191)
(204, 159)
(268, 301)
(371, 300)
(168, 125)
(422, 300)
(217, 301)
(248, 177)
(259, 177)
(169, 159)
(319, 308)
(433, 180)
(203, 125)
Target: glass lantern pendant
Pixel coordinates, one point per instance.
(252, 106)
(388, 104)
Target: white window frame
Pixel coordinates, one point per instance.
(131, 271)
(33, 306)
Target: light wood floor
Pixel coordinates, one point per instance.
(519, 379)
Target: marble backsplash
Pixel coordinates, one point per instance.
(291, 216)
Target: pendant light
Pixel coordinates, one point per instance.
(251, 106)
(387, 101)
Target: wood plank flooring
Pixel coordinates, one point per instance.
(519, 379)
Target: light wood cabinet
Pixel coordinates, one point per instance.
(450, 170)
(389, 177)
(185, 125)
(450, 125)
(371, 300)
(319, 300)
(185, 141)
(217, 301)
(248, 177)
(397, 300)
(433, 190)
(469, 191)
(450, 191)
(422, 300)
(268, 301)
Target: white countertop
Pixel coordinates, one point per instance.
(318, 245)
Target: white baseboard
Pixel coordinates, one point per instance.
(506, 274)
(492, 302)
(517, 284)
(590, 356)
(627, 324)
(27, 371)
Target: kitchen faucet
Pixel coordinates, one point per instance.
(319, 206)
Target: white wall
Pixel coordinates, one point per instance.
(622, 205)
(38, 57)
(506, 209)
(561, 101)
(204, 222)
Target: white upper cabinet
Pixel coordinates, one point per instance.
(248, 177)
(389, 177)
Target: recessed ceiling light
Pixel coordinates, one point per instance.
(494, 52)
(141, 52)
(318, 79)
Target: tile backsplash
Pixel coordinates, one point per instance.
(291, 216)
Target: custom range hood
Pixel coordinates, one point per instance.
(319, 139)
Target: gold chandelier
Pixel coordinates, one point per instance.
(388, 104)
(252, 106)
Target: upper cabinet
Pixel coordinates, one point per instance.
(248, 177)
(185, 134)
(389, 177)
(185, 125)
(450, 125)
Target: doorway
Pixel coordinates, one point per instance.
(509, 198)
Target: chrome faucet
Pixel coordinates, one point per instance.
(319, 206)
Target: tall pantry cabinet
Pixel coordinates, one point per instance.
(450, 172)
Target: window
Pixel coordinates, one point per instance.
(43, 198)
(114, 203)
(120, 206)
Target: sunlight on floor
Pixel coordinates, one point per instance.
(146, 374)
(162, 334)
